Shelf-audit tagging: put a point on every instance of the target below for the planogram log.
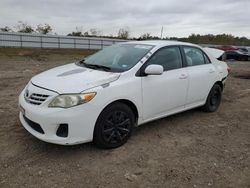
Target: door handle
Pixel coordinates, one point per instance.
(211, 71)
(183, 76)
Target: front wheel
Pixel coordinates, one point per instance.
(114, 126)
(213, 99)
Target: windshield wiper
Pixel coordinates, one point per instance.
(81, 61)
(94, 66)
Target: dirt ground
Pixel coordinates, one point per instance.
(191, 149)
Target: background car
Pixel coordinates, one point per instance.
(243, 51)
(237, 55)
(248, 49)
(226, 48)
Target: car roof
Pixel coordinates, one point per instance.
(160, 43)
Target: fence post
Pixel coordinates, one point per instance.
(74, 43)
(89, 43)
(41, 41)
(102, 44)
(59, 46)
(21, 40)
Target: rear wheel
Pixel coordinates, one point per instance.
(213, 99)
(114, 126)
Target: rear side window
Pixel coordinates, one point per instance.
(169, 58)
(195, 56)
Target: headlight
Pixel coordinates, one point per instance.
(70, 100)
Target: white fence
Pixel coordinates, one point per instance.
(8, 39)
(19, 40)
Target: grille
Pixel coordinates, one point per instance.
(36, 99)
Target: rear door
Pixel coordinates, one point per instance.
(201, 74)
(166, 93)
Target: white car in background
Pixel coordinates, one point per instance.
(103, 97)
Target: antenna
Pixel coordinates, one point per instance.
(161, 31)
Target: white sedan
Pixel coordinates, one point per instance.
(103, 97)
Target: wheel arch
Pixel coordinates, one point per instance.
(127, 102)
(220, 84)
(130, 104)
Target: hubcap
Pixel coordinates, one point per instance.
(116, 127)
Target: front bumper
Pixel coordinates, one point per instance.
(80, 119)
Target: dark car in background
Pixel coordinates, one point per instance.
(233, 53)
(237, 55)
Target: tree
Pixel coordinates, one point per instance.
(6, 29)
(95, 32)
(77, 33)
(123, 33)
(23, 27)
(145, 36)
(148, 36)
(44, 29)
(86, 34)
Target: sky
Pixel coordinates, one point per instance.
(179, 18)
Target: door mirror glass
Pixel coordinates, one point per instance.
(154, 70)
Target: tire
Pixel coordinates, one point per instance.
(214, 99)
(114, 126)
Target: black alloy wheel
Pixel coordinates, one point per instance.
(114, 126)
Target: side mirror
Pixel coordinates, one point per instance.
(154, 70)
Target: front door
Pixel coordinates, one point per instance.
(166, 93)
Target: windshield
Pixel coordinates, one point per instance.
(117, 58)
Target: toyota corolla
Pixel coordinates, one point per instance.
(104, 96)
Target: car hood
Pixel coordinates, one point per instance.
(72, 78)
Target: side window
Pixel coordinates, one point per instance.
(169, 58)
(207, 61)
(194, 56)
